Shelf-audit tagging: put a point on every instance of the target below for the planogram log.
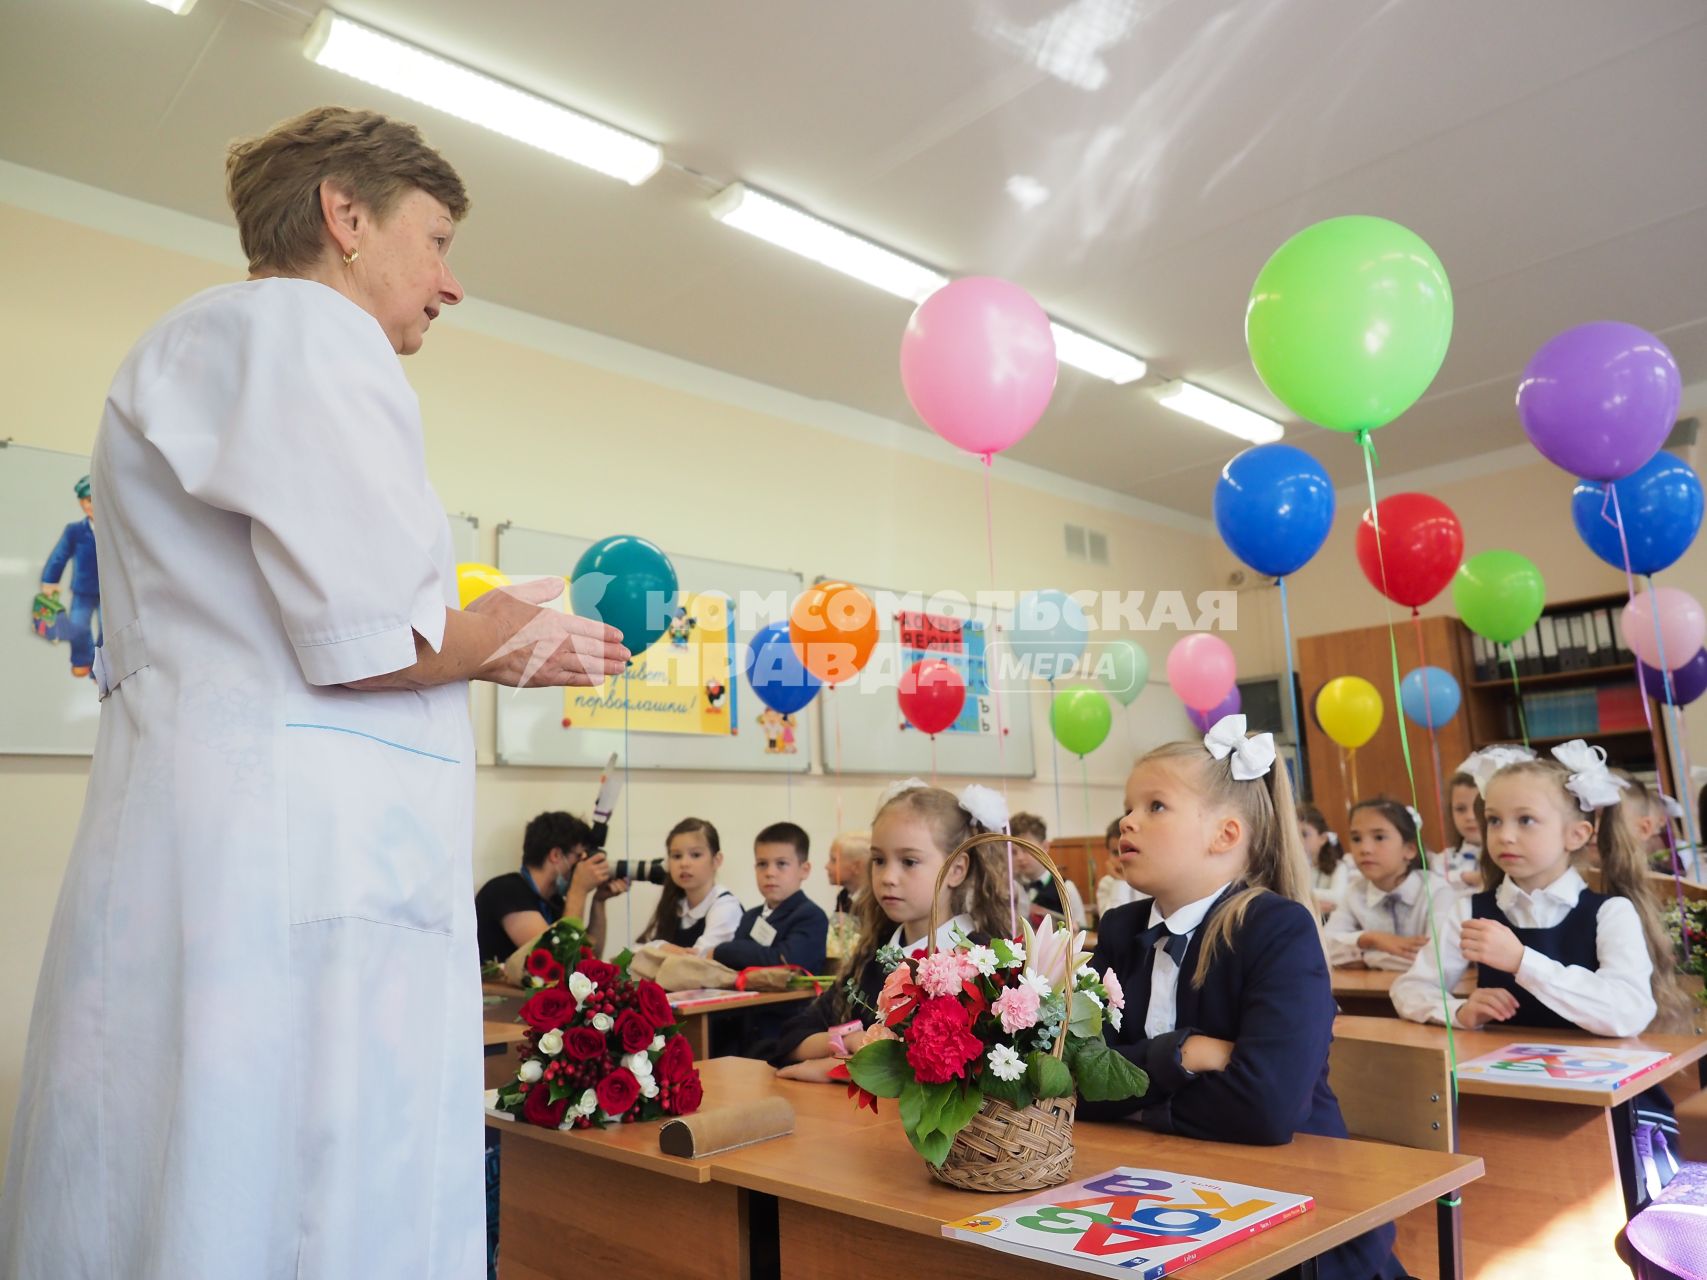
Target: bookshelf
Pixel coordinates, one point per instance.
(1576, 680)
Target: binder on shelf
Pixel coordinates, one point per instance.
(1549, 644)
(1576, 650)
(1485, 655)
(1530, 662)
(1614, 616)
(1606, 649)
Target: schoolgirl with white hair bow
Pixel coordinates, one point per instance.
(1384, 915)
(1228, 1004)
(1550, 951)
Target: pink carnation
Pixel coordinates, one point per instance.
(1116, 993)
(1017, 1008)
(942, 973)
(895, 994)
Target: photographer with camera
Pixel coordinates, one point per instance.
(564, 872)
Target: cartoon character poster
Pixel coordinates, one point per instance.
(961, 643)
(779, 730)
(75, 621)
(684, 683)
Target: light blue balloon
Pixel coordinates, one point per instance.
(1433, 707)
(1049, 632)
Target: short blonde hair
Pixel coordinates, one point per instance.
(272, 182)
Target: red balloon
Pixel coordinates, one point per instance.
(1421, 541)
(931, 695)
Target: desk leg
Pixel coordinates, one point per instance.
(1630, 1175)
(1449, 1230)
(697, 1028)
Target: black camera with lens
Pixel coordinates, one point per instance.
(649, 870)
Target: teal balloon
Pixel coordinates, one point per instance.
(1080, 717)
(627, 583)
(1129, 671)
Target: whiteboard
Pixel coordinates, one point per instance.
(464, 538)
(530, 721)
(48, 711)
(873, 736)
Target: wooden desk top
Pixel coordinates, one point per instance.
(504, 1033)
(874, 1174)
(848, 1161)
(746, 1000)
(1379, 982)
(1684, 1050)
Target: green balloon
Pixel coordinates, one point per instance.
(627, 583)
(1129, 671)
(1499, 594)
(1080, 717)
(1348, 322)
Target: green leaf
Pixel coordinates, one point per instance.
(933, 1146)
(1105, 1075)
(1048, 1076)
(1087, 1018)
(921, 1104)
(959, 1108)
(624, 960)
(1012, 1092)
(881, 1068)
(1004, 953)
(559, 1090)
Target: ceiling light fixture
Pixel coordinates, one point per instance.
(768, 218)
(179, 7)
(335, 42)
(1219, 412)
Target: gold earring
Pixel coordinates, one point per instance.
(351, 256)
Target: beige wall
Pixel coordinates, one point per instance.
(517, 433)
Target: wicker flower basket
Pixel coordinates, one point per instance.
(1003, 1149)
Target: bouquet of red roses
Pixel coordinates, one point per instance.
(601, 1047)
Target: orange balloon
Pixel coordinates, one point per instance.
(833, 628)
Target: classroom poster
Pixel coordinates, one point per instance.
(1561, 1066)
(685, 683)
(1130, 1222)
(959, 642)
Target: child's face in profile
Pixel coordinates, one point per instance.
(903, 868)
(1312, 838)
(1166, 835)
(1379, 850)
(1464, 814)
(780, 871)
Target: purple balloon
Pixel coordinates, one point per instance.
(1599, 400)
(1205, 720)
(1688, 682)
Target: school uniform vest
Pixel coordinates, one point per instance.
(1571, 942)
(688, 935)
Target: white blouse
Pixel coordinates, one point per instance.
(1404, 911)
(1616, 999)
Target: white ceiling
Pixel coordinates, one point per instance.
(1550, 150)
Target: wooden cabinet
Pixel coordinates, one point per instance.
(1488, 715)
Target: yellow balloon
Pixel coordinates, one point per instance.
(1349, 710)
(474, 580)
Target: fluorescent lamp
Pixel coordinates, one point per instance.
(1082, 352)
(745, 209)
(342, 45)
(1222, 414)
(174, 6)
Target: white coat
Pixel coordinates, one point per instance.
(255, 1051)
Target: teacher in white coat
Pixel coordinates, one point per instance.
(255, 1050)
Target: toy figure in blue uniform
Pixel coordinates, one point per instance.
(76, 547)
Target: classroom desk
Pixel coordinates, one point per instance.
(846, 1196)
(1369, 992)
(1561, 1179)
(695, 1023)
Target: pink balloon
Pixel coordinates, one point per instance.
(978, 363)
(1682, 627)
(1201, 670)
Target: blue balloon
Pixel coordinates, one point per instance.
(1661, 505)
(1432, 702)
(775, 671)
(1049, 632)
(627, 583)
(1274, 505)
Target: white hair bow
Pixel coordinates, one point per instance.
(988, 809)
(1252, 757)
(1591, 782)
(899, 789)
(1484, 764)
(1416, 818)
(1673, 808)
